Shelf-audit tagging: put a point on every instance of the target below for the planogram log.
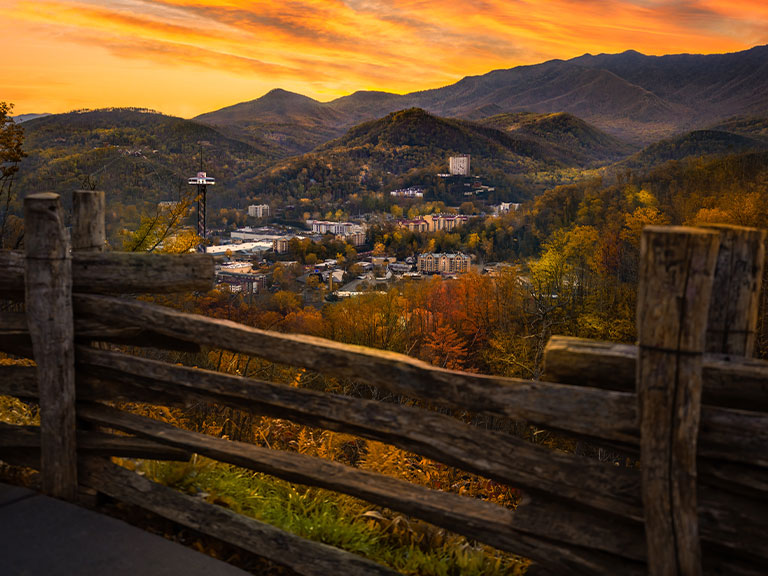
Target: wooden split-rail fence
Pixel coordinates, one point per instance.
(688, 403)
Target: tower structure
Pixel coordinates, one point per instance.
(202, 181)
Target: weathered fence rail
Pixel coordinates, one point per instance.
(704, 468)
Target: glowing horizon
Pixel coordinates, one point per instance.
(187, 57)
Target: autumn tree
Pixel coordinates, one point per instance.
(445, 348)
(11, 153)
(161, 227)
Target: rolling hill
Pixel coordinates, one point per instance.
(752, 126)
(735, 136)
(289, 123)
(136, 156)
(569, 139)
(410, 147)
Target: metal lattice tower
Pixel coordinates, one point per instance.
(202, 181)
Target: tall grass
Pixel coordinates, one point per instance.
(407, 545)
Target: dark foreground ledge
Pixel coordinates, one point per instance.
(41, 536)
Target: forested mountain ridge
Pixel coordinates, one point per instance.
(138, 157)
(411, 146)
(636, 97)
(569, 138)
(696, 143)
(290, 123)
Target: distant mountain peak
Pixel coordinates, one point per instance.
(280, 93)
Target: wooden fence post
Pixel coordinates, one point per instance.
(735, 300)
(677, 267)
(48, 292)
(88, 235)
(88, 229)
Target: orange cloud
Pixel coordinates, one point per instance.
(190, 56)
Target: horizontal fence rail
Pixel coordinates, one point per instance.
(121, 273)
(486, 522)
(590, 412)
(729, 381)
(574, 409)
(586, 485)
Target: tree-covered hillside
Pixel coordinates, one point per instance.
(566, 137)
(410, 147)
(138, 157)
(693, 144)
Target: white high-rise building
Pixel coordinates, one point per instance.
(258, 210)
(459, 165)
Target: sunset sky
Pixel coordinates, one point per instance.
(186, 57)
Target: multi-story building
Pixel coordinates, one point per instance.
(445, 222)
(434, 222)
(432, 263)
(506, 207)
(329, 227)
(344, 231)
(258, 210)
(247, 282)
(356, 238)
(459, 165)
(280, 245)
(418, 225)
(412, 192)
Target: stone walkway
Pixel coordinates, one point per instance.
(41, 536)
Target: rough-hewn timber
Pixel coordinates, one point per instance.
(122, 273)
(609, 415)
(27, 438)
(677, 268)
(729, 381)
(88, 216)
(48, 297)
(12, 278)
(733, 311)
(474, 518)
(721, 523)
(14, 334)
(441, 437)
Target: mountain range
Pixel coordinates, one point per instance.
(526, 128)
(637, 98)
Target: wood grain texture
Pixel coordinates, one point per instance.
(592, 413)
(728, 381)
(14, 335)
(608, 416)
(126, 272)
(495, 455)
(734, 436)
(303, 556)
(474, 518)
(677, 267)
(48, 284)
(27, 438)
(12, 278)
(538, 514)
(733, 310)
(88, 221)
(122, 273)
(19, 381)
